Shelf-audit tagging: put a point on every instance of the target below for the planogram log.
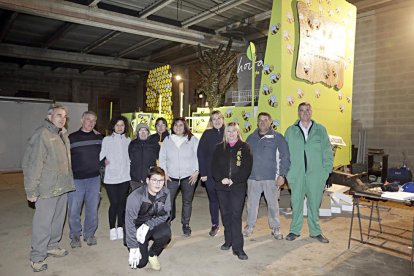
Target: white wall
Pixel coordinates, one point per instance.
(18, 120)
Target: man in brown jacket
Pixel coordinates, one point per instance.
(47, 180)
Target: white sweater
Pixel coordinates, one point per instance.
(115, 149)
(179, 162)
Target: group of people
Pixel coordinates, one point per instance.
(143, 176)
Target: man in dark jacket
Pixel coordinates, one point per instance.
(147, 212)
(270, 166)
(85, 146)
(143, 153)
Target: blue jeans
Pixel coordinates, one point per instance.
(88, 191)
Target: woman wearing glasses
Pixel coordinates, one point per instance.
(178, 158)
(143, 153)
(232, 164)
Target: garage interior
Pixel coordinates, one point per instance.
(100, 51)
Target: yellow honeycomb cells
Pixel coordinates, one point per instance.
(159, 83)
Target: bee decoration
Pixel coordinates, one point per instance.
(289, 48)
(274, 124)
(341, 108)
(267, 89)
(290, 100)
(286, 35)
(348, 99)
(274, 78)
(334, 73)
(290, 17)
(326, 74)
(247, 127)
(274, 29)
(306, 68)
(229, 113)
(245, 115)
(317, 93)
(272, 101)
(339, 94)
(268, 69)
(300, 92)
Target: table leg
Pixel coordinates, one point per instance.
(379, 218)
(370, 218)
(352, 222)
(359, 220)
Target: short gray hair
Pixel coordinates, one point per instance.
(89, 112)
(52, 107)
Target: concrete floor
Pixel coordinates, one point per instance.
(200, 254)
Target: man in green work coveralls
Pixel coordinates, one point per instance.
(311, 163)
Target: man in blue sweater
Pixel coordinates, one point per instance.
(85, 146)
(270, 166)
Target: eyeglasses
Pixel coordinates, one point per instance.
(157, 181)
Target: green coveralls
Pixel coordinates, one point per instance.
(311, 163)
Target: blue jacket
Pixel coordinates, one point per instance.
(270, 155)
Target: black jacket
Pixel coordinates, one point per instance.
(234, 163)
(143, 155)
(85, 148)
(208, 142)
(156, 137)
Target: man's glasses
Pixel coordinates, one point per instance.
(157, 181)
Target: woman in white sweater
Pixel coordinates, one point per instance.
(178, 158)
(115, 152)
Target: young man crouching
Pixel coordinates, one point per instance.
(147, 212)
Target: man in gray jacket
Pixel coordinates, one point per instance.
(270, 166)
(47, 180)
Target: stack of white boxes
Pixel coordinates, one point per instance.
(340, 201)
(334, 201)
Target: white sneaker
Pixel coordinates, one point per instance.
(120, 233)
(113, 234)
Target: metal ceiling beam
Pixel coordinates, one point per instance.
(255, 6)
(100, 41)
(167, 51)
(94, 3)
(32, 53)
(136, 47)
(211, 12)
(154, 7)
(75, 13)
(58, 34)
(184, 59)
(246, 21)
(7, 25)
